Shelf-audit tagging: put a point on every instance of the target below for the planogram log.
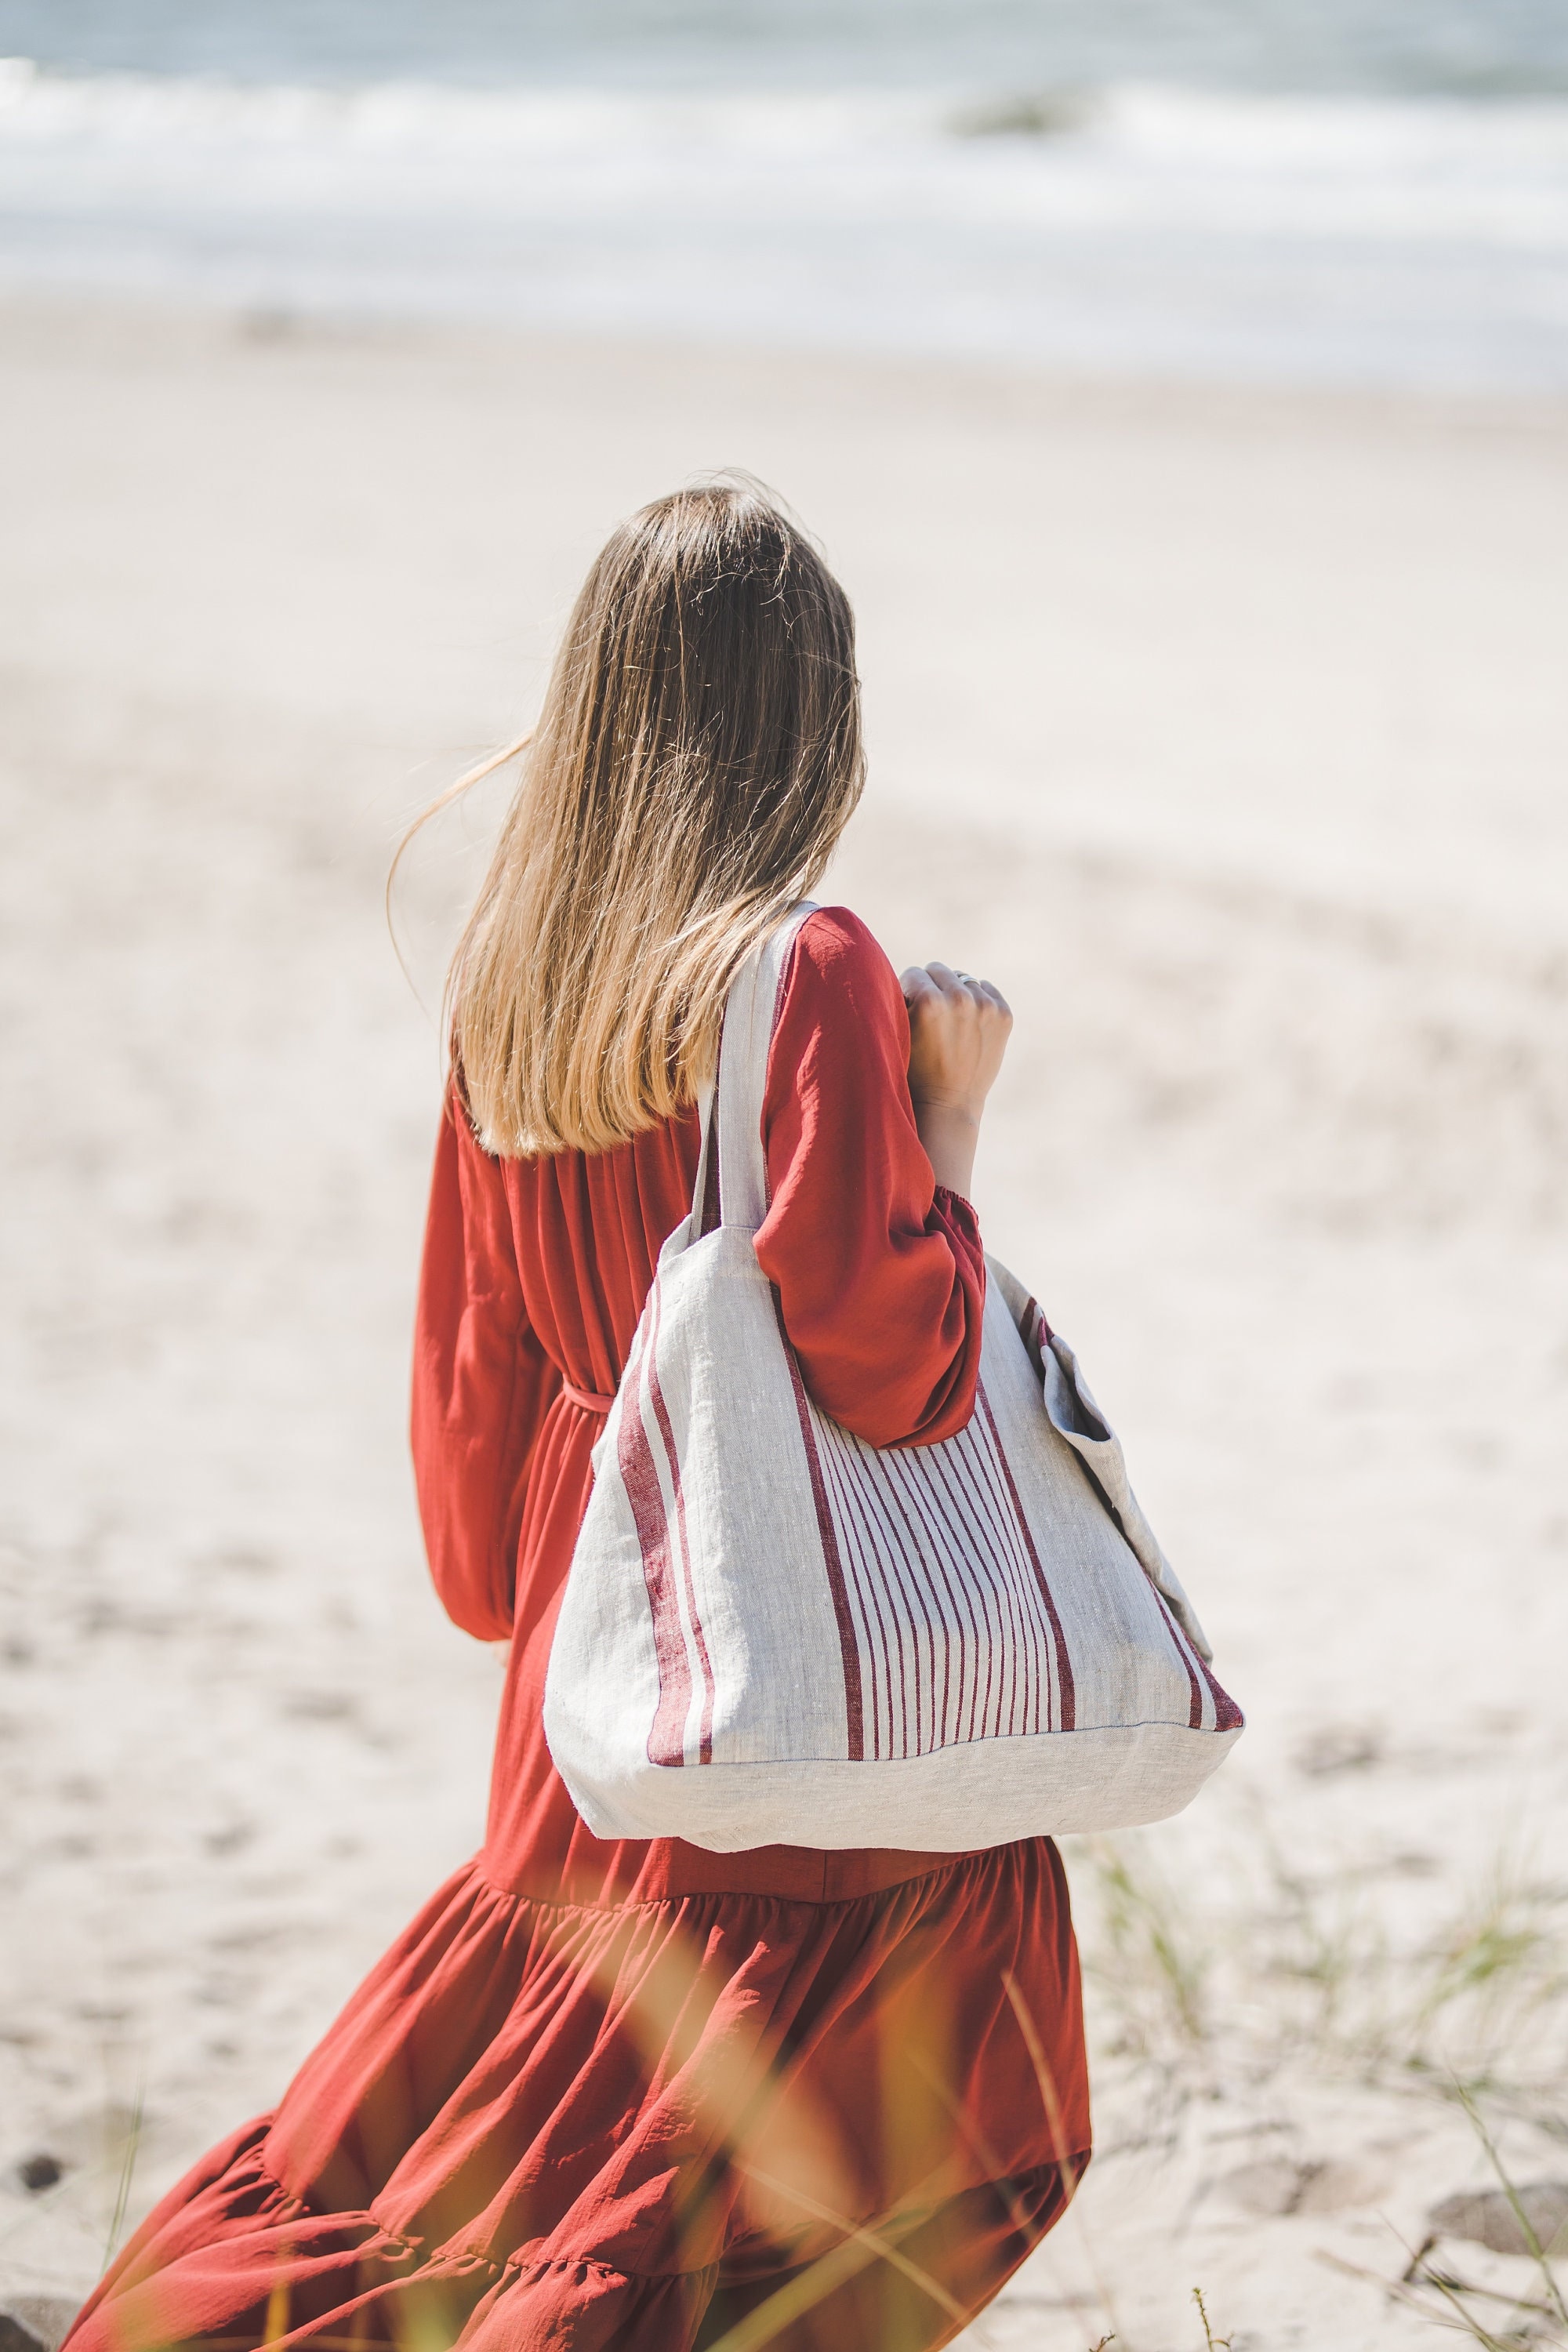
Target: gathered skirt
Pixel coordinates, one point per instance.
(655, 2124)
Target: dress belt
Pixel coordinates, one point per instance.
(585, 1398)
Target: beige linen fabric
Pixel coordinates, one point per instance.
(775, 1633)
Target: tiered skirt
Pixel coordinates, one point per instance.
(654, 2125)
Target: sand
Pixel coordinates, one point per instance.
(1227, 731)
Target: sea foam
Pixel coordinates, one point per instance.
(1140, 226)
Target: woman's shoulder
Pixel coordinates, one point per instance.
(838, 955)
(841, 1009)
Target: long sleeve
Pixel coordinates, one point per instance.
(881, 1273)
(482, 1386)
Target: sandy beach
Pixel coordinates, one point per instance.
(1227, 731)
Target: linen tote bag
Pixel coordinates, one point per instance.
(775, 1633)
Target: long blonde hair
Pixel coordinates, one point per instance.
(697, 758)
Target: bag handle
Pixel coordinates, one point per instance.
(732, 1111)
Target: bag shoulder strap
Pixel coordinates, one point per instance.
(733, 1117)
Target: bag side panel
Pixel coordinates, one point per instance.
(1129, 1661)
(1076, 1417)
(602, 1686)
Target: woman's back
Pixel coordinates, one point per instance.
(535, 1273)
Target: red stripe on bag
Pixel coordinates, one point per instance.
(881, 1566)
(845, 1511)
(634, 1455)
(661, 1416)
(1187, 1655)
(886, 1570)
(1227, 1716)
(1064, 1664)
(1010, 1638)
(1021, 1631)
(850, 1648)
(963, 1615)
(903, 1537)
(940, 1468)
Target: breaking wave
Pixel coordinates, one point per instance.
(1420, 241)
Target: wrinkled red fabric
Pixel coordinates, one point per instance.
(624, 2092)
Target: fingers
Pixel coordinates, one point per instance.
(937, 982)
(953, 984)
(959, 1028)
(984, 991)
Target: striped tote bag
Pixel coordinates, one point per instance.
(775, 1633)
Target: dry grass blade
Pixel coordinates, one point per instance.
(1021, 2219)
(970, 2132)
(1526, 2228)
(1146, 1947)
(1439, 2279)
(1212, 2342)
(1051, 2101)
(1462, 2323)
(1044, 2078)
(127, 2173)
(794, 2300)
(861, 2246)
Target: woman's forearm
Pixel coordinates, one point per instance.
(949, 1135)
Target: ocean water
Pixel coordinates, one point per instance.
(1350, 191)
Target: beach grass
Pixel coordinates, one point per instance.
(1276, 1977)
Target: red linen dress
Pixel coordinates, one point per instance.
(624, 2094)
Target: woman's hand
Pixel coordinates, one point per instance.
(958, 1034)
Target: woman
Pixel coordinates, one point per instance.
(642, 2094)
